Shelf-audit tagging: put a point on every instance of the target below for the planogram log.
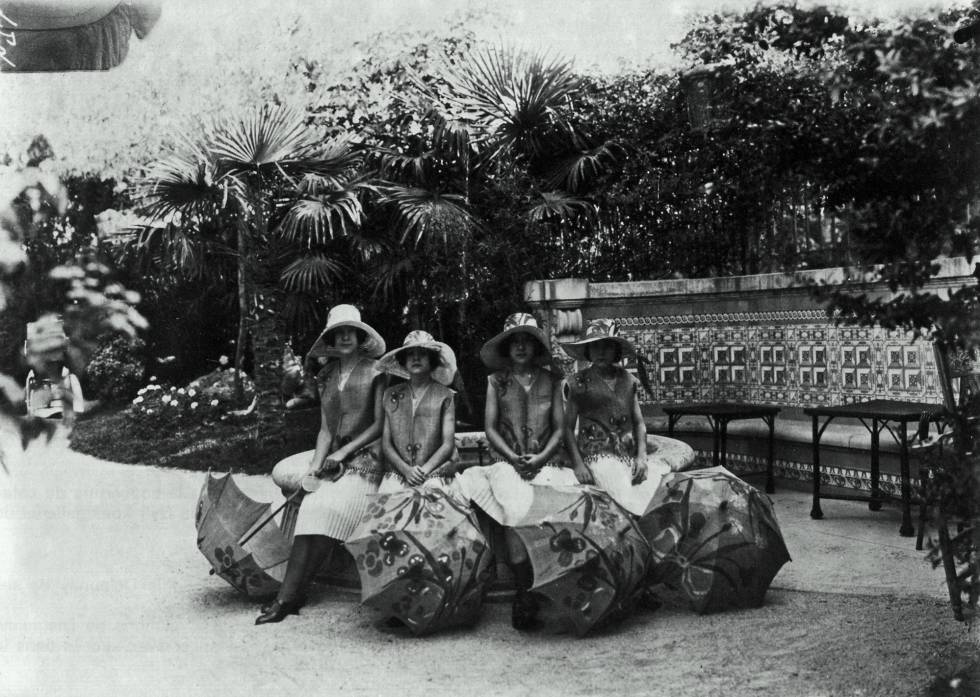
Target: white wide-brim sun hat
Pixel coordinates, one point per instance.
(346, 316)
(518, 322)
(442, 373)
(598, 330)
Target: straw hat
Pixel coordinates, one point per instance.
(598, 330)
(518, 322)
(442, 373)
(346, 316)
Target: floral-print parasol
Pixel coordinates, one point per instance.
(422, 559)
(225, 515)
(715, 538)
(588, 555)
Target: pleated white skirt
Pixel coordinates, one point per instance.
(335, 508)
(614, 474)
(501, 492)
(392, 483)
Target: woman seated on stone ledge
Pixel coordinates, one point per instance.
(609, 445)
(523, 421)
(347, 454)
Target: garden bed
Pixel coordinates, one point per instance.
(252, 446)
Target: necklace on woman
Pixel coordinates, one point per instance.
(345, 373)
(524, 376)
(417, 396)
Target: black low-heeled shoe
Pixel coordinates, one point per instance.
(277, 612)
(298, 603)
(524, 612)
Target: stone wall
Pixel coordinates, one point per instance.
(759, 339)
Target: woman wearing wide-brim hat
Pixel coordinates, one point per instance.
(347, 454)
(609, 445)
(419, 432)
(523, 424)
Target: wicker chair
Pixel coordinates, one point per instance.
(959, 379)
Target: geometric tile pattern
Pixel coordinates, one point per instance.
(789, 358)
(845, 477)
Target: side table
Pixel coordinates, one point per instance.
(881, 413)
(719, 414)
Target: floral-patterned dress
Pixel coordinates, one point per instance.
(416, 432)
(336, 507)
(606, 440)
(524, 422)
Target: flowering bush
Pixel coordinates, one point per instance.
(116, 369)
(207, 399)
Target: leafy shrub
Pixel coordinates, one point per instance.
(208, 399)
(116, 369)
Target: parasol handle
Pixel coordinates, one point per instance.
(262, 523)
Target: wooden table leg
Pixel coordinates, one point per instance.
(770, 481)
(875, 503)
(815, 511)
(907, 530)
(724, 441)
(716, 440)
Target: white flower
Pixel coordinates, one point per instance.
(181, 391)
(175, 403)
(214, 402)
(142, 390)
(173, 389)
(165, 398)
(149, 411)
(153, 378)
(193, 405)
(137, 400)
(192, 392)
(223, 360)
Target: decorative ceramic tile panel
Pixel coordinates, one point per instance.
(790, 358)
(846, 477)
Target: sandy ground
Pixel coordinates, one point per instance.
(104, 592)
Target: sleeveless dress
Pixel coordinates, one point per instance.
(416, 432)
(336, 507)
(605, 437)
(524, 422)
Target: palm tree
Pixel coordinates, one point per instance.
(242, 174)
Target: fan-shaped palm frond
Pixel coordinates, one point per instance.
(312, 274)
(185, 184)
(453, 136)
(169, 247)
(331, 214)
(392, 275)
(331, 164)
(403, 167)
(422, 213)
(561, 207)
(575, 169)
(512, 98)
(269, 135)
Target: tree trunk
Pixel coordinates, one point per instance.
(242, 314)
(268, 344)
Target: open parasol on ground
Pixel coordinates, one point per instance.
(422, 559)
(715, 538)
(66, 35)
(236, 535)
(588, 555)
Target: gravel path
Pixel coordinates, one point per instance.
(104, 592)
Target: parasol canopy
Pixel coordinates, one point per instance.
(224, 516)
(62, 35)
(715, 538)
(588, 555)
(422, 559)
